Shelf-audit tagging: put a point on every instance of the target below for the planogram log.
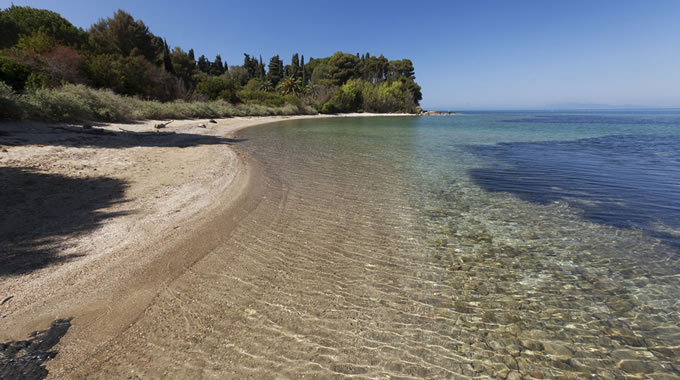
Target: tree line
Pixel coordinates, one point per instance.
(39, 48)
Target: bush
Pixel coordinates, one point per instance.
(222, 87)
(74, 103)
(13, 73)
(347, 99)
(262, 97)
(9, 109)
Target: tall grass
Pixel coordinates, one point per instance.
(74, 103)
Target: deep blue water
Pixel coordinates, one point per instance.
(624, 181)
(620, 168)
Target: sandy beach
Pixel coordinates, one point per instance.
(98, 219)
(95, 224)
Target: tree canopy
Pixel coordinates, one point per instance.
(40, 48)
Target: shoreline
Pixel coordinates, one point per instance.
(175, 195)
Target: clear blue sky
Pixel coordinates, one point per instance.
(467, 55)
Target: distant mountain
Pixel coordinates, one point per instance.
(591, 106)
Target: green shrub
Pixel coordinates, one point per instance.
(13, 73)
(247, 95)
(347, 99)
(9, 109)
(74, 103)
(222, 87)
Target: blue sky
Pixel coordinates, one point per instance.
(467, 55)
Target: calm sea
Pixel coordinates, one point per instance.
(484, 245)
(560, 232)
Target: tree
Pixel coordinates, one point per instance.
(239, 75)
(342, 67)
(184, 66)
(16, 21)
(275, 70)
(260, 69)
(122, 35)
(251, 65)
(375, 69)
(295, 66)
(63, 64)
(221, 87)
(216, 68)
(38, 42)
(303, 75)
(203, 64)
(402, 68)
(288, 85)
(13, 73)
(167, 61)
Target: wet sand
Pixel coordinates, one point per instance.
(98, 220)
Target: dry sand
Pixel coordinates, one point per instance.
(96, 221)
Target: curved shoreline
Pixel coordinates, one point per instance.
(128, 258)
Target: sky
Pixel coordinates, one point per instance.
(476, 54)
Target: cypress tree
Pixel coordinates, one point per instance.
(203, 64)
(216, 68)
(302, 69)
(295, 66)
(260, 69)
(275, 70)
(167, 62)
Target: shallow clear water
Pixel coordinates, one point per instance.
(494, 245)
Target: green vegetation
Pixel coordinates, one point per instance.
(118, 70)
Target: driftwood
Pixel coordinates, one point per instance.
(6, 300)
(202, 126)
(162, 125)
(213, 121)
(142, 134)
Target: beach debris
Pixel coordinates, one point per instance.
(162, 125)
(6, 300)
(213, 121)
(87, 126)
(202, 126)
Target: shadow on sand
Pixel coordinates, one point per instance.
(40, 210)
(18, 134)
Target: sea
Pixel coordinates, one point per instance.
(481, 245)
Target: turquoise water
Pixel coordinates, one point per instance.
(559, 232)
(478, 246)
